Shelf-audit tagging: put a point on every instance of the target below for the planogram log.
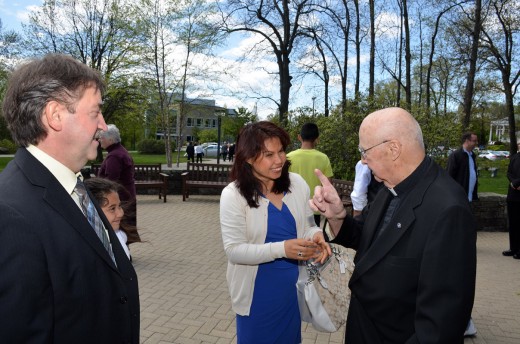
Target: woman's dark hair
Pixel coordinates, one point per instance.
(100, 188)
(250, 145)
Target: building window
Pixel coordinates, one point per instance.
(199, 122)
(213, 123)
(208, 123)
(189, 122)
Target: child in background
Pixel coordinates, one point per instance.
(106, 193)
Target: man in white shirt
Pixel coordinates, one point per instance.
(365, 188)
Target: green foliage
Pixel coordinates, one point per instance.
(9, 145)
(208, 135)
(195, 133)
(439, 131)
(4, 75)
(4, 132)
(338, 137)
(149, 146)
(231, 125)
(500, 147)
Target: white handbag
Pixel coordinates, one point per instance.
(323, 292)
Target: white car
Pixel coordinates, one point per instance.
(207, 144)
(494, 155)
(211, 151)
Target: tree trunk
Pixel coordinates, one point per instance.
(358, 52)
(372, 52)
(407, 57)
(468, 94)
(510, 109)
(285, 88)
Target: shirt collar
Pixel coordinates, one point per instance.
(409, 183)
(113, 146)
(62, 173)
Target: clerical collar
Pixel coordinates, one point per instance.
(409, 183)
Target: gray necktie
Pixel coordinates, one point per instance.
(93, 217)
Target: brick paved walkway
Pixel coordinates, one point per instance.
(184, 297)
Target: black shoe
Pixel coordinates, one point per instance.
(516, 256)
(508, 253)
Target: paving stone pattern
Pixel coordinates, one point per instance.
(184, 296)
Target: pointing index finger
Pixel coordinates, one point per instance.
(323, 178)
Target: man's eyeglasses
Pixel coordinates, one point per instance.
(364, 151)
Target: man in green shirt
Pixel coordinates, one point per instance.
(307, 158)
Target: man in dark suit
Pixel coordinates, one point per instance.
(462, 165)
(59, 283)
(513, 206)
(414, 280)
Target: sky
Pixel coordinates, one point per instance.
(243, 75)
(14, 12)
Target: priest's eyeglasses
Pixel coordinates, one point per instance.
(364, 151)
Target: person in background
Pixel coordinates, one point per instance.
(365, 188)
(306, 159)
(231, 152)
(415, 263)
(118, 166)
(199, 152)
(64, 279)
(190, 151)
(513, 206)
(224, 151)
(106, 193)
(462, 166)
(267, 228)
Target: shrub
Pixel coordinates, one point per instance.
(150, 146)
(500, 147)
(8, 145)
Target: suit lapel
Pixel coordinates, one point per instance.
(375, 214)
(57, 198)
(371, 253)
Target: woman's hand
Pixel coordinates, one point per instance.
(323, 247)
(304, 249)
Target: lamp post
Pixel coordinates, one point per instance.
(313, 99)
(219, 114)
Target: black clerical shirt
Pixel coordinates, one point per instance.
(398, 194)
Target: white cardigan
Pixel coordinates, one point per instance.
(244, 230)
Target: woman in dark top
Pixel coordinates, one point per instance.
(118, 166)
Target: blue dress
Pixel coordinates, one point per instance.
(274, 317)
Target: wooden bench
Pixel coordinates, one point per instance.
(344, 189)
(215, 176)
(147, 176)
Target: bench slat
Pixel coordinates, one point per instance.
(200, 175)
(146, 176)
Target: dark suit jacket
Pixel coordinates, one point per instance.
(416, 282)
(58, 283)
(458, 169)
(513, 175)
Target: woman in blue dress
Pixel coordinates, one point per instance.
(267, 227)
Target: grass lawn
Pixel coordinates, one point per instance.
(3, 162)
(486, 183)
(498, 184)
